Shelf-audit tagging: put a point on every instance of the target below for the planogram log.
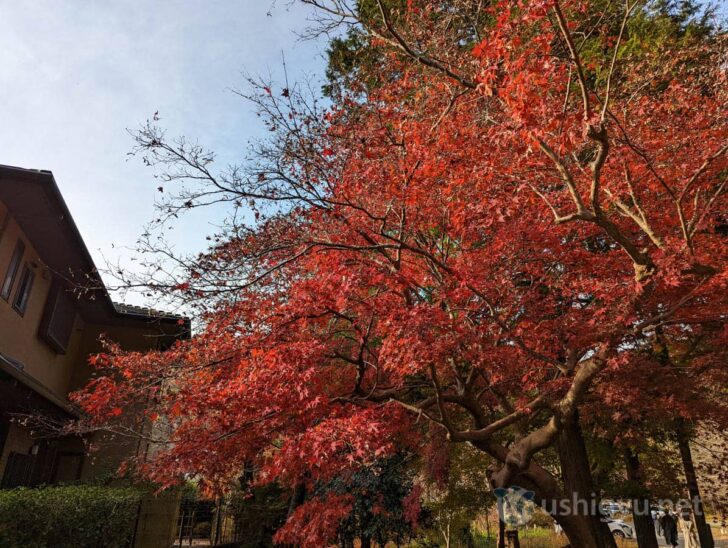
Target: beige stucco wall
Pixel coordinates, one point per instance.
(19, 334)
(157, 522)
(59, 373)
(19, 338)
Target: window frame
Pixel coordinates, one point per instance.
(11, 274)
(23, 291)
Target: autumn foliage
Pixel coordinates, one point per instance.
(486, 242)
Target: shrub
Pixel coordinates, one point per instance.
(81, 516)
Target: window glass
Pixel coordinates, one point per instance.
(12, 270)
(23, 294)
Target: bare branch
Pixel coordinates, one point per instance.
(564, 27)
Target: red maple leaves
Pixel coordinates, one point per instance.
(468, 261)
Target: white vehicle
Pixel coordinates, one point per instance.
(610, 508)
(619, 528)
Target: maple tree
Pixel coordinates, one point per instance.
(483, 244)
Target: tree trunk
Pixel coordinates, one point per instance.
(578, 484)
(683, 441)
(366, 542)
(581, 530)
(643, 525)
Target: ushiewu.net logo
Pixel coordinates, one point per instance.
(515, 505)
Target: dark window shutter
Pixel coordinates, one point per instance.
(57, 324)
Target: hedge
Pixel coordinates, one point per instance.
(81, 516)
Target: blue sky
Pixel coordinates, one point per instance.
(75, 74)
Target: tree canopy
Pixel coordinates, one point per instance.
(501, 233)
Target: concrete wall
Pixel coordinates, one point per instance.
(157, 523)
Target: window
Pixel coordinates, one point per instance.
(58, 318)
(23, 293)
(12, 270)
(18, 470)
(67, 467)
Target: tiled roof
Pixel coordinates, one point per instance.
(134, 310)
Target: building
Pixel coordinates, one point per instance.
(48, 329)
